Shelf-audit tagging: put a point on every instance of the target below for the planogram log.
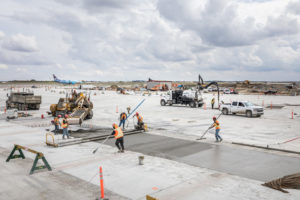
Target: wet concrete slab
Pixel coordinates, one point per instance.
(252, 164)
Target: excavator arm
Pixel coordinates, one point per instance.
(201, 86)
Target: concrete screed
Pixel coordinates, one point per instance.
(160, 177)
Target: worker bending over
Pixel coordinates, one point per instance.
(56, 124)
(140, 123)
(65, 126)
(118, 133)
(123, 118)
(216, 124)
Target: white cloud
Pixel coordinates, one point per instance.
(99, 72)
(20, 42)
(163, 39)
(3, 66)
(2, 35)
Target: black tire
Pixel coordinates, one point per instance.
(234, 113)
(162, 102)
(225, 111)
(192, 104)
(249, 113)
(200, 105)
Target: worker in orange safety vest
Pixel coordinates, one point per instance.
(140, 122)
(118, 133)
(216, 124)
(56, 124)
(65, 126)
(123, 118)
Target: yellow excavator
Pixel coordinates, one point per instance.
(78, 107)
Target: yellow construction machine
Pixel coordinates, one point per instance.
(78, 107)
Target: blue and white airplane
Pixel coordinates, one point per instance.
(64, 81)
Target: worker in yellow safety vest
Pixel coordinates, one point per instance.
(212, 103)
(216, 124)
(56, 124)
(65, 126)
(118, 133)
(140, 122)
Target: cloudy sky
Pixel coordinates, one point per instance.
(162, 39)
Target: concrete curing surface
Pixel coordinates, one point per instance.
(251, 164)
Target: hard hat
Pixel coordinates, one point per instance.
(59, 116)
(114, 125)
(214, 117)
(137, 113)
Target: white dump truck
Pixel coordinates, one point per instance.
(242, 107)
(193, 98)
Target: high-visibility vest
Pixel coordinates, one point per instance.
(56, 121)
(64, 125)
(212, 101)
(118, 133)
(139, 118)
(123, 116)
(217, 125)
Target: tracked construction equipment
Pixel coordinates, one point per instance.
(79, 107)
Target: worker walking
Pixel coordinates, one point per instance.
(212, 103)
(123, 117)
(140, 123)
(56, 124)
(217, 126)
(118, 133)
(65, 126)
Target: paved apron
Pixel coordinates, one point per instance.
(251, 164)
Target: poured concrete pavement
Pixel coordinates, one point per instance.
(251, 164)
(16, 183)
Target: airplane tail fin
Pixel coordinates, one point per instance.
(55, 78)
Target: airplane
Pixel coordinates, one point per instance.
(64, 81)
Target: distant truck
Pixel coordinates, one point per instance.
(229, 91)
(23, 101)
(186, 97)
(242, 107)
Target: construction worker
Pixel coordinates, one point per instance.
(118, 133)
(212, 103)
(217, 126)
(123, 117)
(65, 126)
(56, 124)
(140, 123)
(128, 109)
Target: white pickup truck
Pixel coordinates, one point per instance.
(242, 107)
